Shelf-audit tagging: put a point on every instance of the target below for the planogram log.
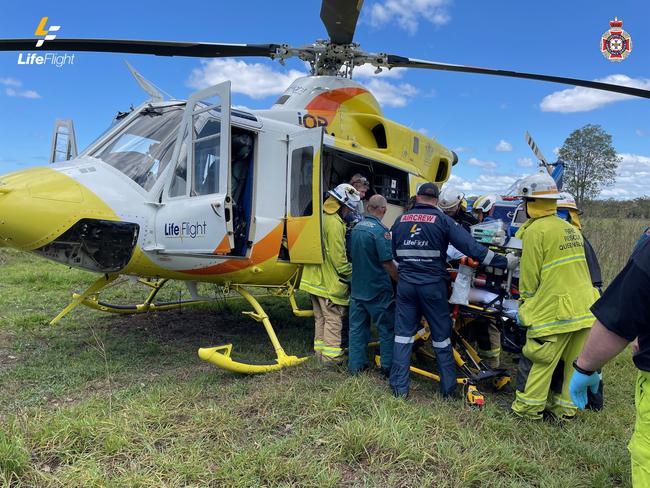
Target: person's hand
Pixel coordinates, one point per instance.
(513, 261)
(635, 346)
(578, 387)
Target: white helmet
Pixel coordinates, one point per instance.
(449, 197)
(567, 201)
(484, 203)
(347, 195)
(539, 185)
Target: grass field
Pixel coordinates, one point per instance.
(104, 400)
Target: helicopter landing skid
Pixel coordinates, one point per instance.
(90, 298)
(220, 356)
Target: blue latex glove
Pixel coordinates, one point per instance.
(578, 387)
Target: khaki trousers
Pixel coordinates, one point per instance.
(328, 319)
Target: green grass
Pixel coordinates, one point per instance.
(106, 400)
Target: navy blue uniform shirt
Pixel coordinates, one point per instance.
(370, 247)
(420, 238)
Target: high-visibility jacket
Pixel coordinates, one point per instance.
(554, 282)
(331, 278)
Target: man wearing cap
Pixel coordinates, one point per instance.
(420, 238)
(371, 296)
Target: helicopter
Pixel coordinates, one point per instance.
(198, 191)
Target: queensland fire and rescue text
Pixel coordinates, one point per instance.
(185, 229)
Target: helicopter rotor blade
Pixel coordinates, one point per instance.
(533, 145)
(158, 48)
(340, 19)
(394, 61)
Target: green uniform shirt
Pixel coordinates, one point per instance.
(370, 247)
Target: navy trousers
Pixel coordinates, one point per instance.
(414, 301)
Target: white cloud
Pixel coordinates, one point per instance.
(462, 149)
(504, 146)
(556, 150)
(12, 92)
(640, 132)
(423, 131)
(484, 183)
(525, 163)
(14, 89)
(391, 95)
(408, 13)
(10, 82)
(481, 163)
(255, 80)
(580, 99)
(632, 178)
(368, 71)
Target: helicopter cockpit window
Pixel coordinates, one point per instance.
(143, 149)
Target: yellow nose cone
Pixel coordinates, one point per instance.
(39, 204)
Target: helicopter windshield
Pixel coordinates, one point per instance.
(142, 150)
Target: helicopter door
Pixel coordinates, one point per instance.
(304, 197)
(196, 217)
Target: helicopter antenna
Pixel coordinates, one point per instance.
(156, 93)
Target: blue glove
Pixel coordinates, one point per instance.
(578, 387)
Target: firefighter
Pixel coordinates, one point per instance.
(371, 296)
(556, 293)
(451, 202)
(420, 238)
(482, 207)
(623, 314)
(328, 283)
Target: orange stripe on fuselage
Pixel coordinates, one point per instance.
(265, 249)
(330, 101)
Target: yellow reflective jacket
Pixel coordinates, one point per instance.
(554, 282)
(331, 278)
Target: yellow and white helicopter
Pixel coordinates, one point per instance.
(197, 191)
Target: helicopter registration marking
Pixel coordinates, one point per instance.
(185, 229)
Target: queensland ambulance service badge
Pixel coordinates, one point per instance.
(616, 44)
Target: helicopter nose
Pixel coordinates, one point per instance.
(39, 204)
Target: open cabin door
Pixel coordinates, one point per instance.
(304, 197)
(196, 215)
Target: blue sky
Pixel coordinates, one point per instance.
(482, 117)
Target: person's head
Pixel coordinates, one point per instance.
(483, 205)
(539, 193)
(377, 206)
(360, 183)
(450, 200)
(242, 145)
(347, 196)
(567, 209)
(428, 194)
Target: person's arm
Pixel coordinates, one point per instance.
(390, 267)
(336, 247)
(601, 346)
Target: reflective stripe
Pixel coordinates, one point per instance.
(421, 253)
(441, 344)
(488, 258)
(403, 339)
(557, 401)
(492, 353)
(570, 259)
(530, 401)
(563, 322)
(318, 345)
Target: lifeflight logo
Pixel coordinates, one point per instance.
(41, 30)
(45, 34)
